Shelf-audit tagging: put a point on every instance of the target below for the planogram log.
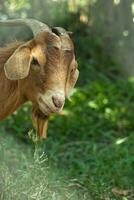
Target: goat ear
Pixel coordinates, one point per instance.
(18, 65)
(71, 83)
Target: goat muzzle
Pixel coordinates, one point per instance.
(51, 102)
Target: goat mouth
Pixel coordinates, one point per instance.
(47, 110)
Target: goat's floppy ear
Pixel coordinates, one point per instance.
(72, 79)
(18, 65)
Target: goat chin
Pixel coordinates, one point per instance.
(47, 110)
(40, 116)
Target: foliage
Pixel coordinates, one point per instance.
(26, 177)
(88, 153)
(92, 145)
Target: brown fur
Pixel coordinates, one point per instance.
(9, 90)
(55, 57)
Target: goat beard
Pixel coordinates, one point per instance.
(40, 122)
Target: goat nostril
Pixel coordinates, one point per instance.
(58, 102)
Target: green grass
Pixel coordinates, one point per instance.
(26, 174)
(88, 154)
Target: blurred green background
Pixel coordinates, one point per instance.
(89, 151)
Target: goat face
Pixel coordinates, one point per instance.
(46, 70)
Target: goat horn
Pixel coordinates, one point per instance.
(64, 35)
(35, 25)
(59, 31)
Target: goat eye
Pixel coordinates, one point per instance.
(34, 62)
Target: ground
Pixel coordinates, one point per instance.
(88, 154)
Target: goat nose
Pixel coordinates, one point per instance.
(58, 101)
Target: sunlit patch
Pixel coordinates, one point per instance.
(105, 101)
(116, 2)
(121, 140)
(73, 91)
(84, 18)
(131, 79)
(125, 33)
(65, 112)
(92, 104)
(108, 111)
(25, 108)
(132, 8)
(111, 114)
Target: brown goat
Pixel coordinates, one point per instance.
(42, 70)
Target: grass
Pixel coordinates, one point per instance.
(89, 152)
(24, 176)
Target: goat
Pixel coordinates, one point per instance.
(42, 70)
